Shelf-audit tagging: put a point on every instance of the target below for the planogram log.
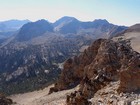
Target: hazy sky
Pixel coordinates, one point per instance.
(121, 12)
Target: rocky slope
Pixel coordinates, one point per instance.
(32, 57)
(105, 61)
(133, 35)
(106, 96)
(35, 65)
(41, 97)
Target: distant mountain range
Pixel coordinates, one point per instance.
(12, 25)
(32, 57)
(7, 28)
(102, 28)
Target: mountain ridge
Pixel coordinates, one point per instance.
(33, 29)
(9, 27)
(31, 57)
(132, 34)
(12, 24)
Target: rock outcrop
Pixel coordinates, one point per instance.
(130, 77)
(103, 62)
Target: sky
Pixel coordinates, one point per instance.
(120, 12)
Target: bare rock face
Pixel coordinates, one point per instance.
(130, 77)
(73, 71)
(103, 62)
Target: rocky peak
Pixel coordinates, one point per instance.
(66, 25)
(103, 62)
(34, 29)
(65, 19)
(70, 25)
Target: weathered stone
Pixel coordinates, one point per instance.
(104, 61)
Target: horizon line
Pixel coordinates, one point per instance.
(34, 20)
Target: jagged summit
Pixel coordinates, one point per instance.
(103, 62)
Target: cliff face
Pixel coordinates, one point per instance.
(103, 62)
